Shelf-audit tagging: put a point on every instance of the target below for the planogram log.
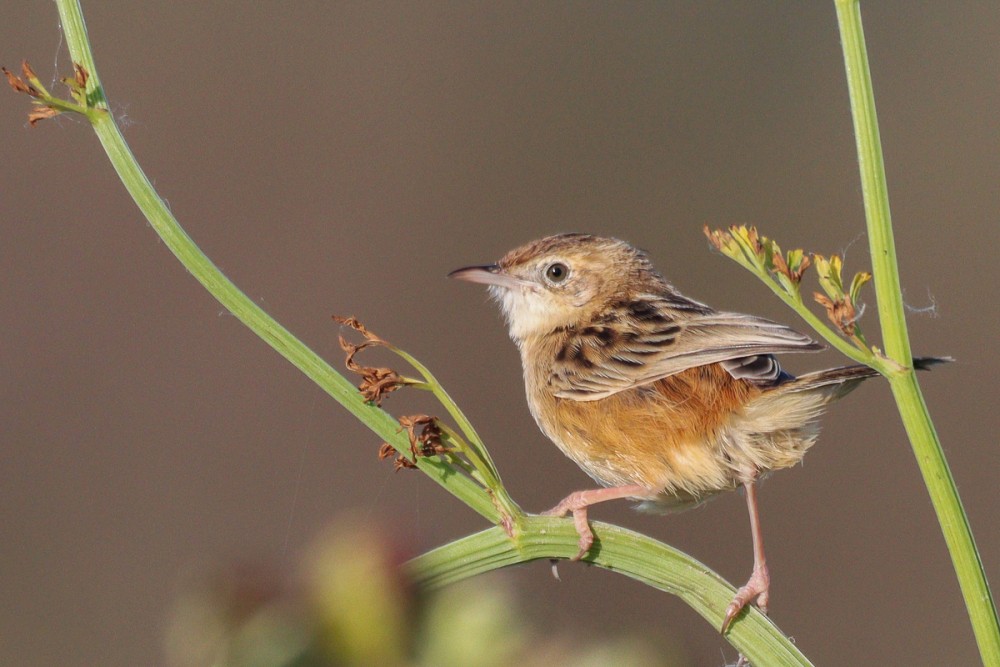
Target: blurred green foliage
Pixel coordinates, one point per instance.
(348, 604)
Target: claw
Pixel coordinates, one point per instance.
(756, 588)
(577, 503)
(583, 530)
(571, 504)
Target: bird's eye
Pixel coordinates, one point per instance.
(556, 272)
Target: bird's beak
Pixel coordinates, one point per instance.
(490, 274)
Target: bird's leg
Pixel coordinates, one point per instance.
(760, 581)
(578, 502)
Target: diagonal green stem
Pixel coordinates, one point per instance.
(794, 301)
(751, 252)
(478, 454)
(209, 275)
(892, 317)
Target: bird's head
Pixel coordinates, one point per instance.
(562, 281)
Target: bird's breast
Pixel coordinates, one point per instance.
(664, 435)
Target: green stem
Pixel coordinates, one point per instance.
(637, 556)
(479, 455)
(892, 316)
(829, 335)
(741, 249)
(230, 296)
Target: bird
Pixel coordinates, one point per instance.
(659, 398)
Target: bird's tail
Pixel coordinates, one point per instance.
(788, 411)
(841, 381)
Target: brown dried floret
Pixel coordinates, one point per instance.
(376, 382)
(841, 312)
(387, 451)
(41, 113)
(754, 239)
(796, 271)
(29, 85)
(25, 85)
(717, 237)
(80, 75)
(19, 84)
(47, 106)
(357, 326)
(425, 435)
(428, 441)
(402, 462)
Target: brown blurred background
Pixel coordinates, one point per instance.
(342, 158)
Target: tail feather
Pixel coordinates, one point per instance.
(925, 363)
(848, 377)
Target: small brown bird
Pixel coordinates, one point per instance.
(659, 398)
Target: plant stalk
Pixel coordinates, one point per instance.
(230, 296)
(892, 317)
(637, 556)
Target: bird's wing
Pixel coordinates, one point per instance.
(640, 344)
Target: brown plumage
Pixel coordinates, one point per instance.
(659, 398)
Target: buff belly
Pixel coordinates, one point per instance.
(683, 443)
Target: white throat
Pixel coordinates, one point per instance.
(528, 312)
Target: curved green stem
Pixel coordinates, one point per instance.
(637, 556)
(892, 316)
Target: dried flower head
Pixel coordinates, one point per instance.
(428, 441)
(794, 267)
(376, 382)
(21, 85)
(80, 76)
(47, 106)
(388, 451)
(841, 312)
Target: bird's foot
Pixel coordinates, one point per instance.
(756, 588)
(576, 503)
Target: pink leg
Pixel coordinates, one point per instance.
(760, 580)
(579, 501)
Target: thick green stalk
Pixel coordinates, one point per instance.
(637, 556)
(892, 316)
